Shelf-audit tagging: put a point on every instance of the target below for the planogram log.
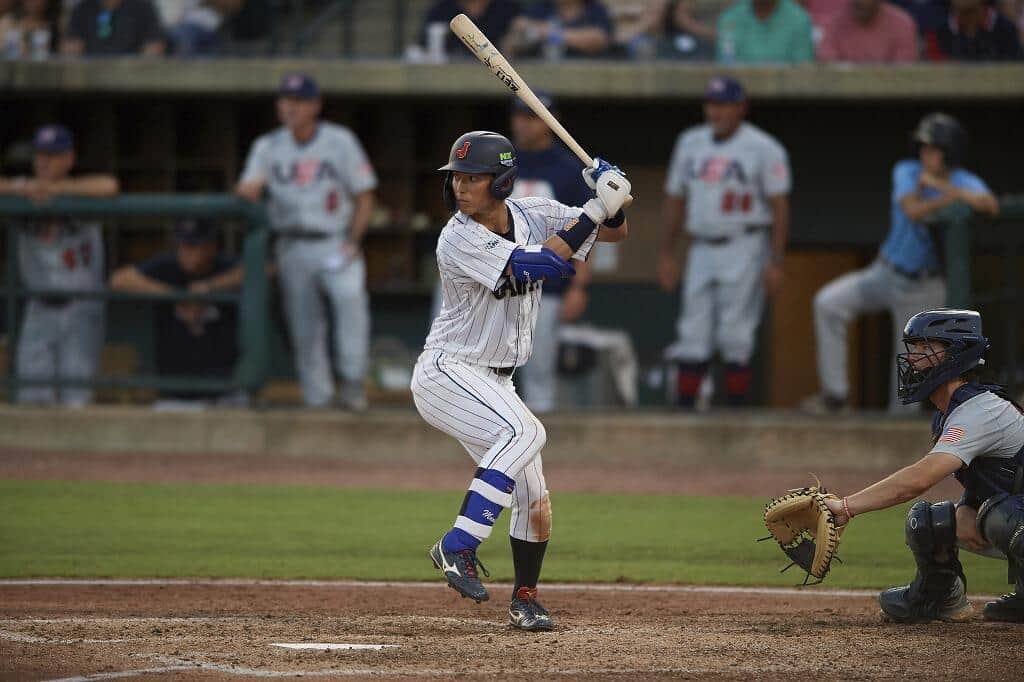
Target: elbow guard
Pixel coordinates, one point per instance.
(534, 263)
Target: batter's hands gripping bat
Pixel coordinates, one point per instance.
(486, 52)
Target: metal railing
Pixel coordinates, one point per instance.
(250, 371)
(965, 233)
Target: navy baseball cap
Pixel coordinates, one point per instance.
(194, 231)
(53, 139)
(299, 86)
(724, 89)
(519, 106)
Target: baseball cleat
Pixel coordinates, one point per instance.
(526, 613)
(899, 606)
(459, 570)
(1008, 609)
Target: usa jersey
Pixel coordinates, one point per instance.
(311, 185)
(726, 184)
(61, 254)
(488, 318)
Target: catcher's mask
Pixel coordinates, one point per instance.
(957, 346)
(481, 152)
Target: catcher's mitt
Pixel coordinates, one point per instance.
(805, 529)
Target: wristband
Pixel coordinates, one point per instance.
(576, 234)
(846, 508)
(616, 220)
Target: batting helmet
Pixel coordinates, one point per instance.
(964, 349)
(481, 152)
(944, 132)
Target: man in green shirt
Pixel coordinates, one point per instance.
(765, 32)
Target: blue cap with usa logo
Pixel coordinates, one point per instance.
(724, 89)
(299, 86)
(194, 231)
(53, 139)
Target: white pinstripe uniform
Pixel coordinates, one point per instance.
(487, 322)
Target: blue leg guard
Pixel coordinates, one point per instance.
(489, 493)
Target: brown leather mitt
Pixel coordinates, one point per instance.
(805, 529)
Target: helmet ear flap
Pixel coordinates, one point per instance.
(448, 192)
(501, 187)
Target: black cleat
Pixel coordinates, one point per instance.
(526, 613)
(459, 570)
(1008, 609)
(905, 605)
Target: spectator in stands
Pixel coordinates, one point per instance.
(870, 31)
(246, 24)
(193, 338)
(494, 17)
(765, 32)
(669, 29)
(974, 32)
(100, 28)
(31, 32)
(554, 29)
(927, 14)
(822, 13)
(60, 337)
(1014, 11)
(191, 25)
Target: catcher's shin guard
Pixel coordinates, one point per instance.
(1001, 523)
(939, 589)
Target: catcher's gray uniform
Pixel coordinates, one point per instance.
(311, 189)
(60, 337)
(726, 185)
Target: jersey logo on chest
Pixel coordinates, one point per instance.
(716, 169)
(512, 287)
(304, 172)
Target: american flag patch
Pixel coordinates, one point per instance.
(952, 435)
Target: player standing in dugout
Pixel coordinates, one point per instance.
(319, 185)
(728, 185)
(494, 256)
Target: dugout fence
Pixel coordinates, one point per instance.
(250, 371)
(976, 250)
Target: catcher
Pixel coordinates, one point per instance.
(978, 434)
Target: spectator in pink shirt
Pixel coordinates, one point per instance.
(869, 31)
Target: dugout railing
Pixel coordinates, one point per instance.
(966, 236)
(250, 371)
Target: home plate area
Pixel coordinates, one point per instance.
(231, 631)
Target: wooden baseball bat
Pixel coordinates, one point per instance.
(486, 52)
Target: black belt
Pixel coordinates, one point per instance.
(54, 301)
(304, 235)
(503, 371)
(719, 241)
(907, 274)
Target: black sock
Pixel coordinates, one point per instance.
(527, 558)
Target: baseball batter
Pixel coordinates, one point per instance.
(978, 437)
(60, 337)
(732, 181)
(319, 185)
(493, 256)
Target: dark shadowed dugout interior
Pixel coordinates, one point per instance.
(171, 130)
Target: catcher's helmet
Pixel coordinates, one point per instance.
(965, 346)
(946, 133)
(481, 152)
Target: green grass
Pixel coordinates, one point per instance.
(134, 530)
